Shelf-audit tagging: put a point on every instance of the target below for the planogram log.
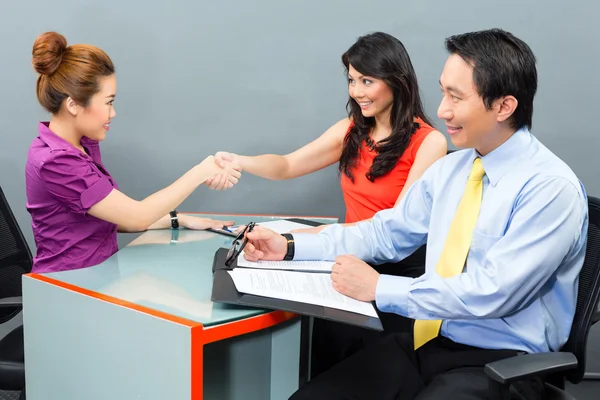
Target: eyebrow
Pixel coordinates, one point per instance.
(360, 76)
(112, 95)
(452, 89)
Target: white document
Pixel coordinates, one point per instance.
(283, 226)
(303, 287)
(310, 266)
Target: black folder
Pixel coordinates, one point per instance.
(224, 291)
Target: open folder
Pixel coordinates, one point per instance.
(305, 290)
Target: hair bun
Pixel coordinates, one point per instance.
(48, 51)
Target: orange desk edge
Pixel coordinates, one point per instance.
(200, 334)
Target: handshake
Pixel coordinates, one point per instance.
(223, 169)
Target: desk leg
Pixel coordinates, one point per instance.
(285, 359)
(197, 365)
(305, 349)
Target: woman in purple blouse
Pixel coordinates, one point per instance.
(75, 204)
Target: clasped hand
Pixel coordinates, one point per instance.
(227, 174)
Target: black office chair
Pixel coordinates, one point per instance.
(15, 260)
(569, 362)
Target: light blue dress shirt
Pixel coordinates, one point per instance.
(518, 289)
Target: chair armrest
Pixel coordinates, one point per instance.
(11, 302)
(522, 367)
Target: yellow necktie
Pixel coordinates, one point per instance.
(456, 248)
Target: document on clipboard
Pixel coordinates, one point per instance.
(302, 287)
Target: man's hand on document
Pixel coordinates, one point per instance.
(265, 244)
(354, 278)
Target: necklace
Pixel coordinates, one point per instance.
(371, 144)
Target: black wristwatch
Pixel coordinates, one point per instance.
(289, 256)
(174, 219)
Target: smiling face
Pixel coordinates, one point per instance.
(94, 120)
(470, 124)
(373, 95)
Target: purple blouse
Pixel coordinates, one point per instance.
(62, 184)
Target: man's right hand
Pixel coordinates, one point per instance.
(265, 244)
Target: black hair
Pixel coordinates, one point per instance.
(384, 57)
(503, 65)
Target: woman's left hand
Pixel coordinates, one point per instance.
(198, 223)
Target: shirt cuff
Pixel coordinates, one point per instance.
(95, 193)
(391, 294)
(308, 246)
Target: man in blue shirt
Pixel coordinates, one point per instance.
(514, 289)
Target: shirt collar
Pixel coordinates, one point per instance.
(55, 142)
(51, 139)
(503, 158)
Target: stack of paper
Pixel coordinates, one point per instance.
(283, 226)
(300, 281)
(307, 266)
(303, 287)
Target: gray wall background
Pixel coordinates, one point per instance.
(196, 77)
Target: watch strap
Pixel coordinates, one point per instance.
(174, 219)
(289, 255)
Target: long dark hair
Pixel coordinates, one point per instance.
(384, 57)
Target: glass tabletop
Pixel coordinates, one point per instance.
(169, 271)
